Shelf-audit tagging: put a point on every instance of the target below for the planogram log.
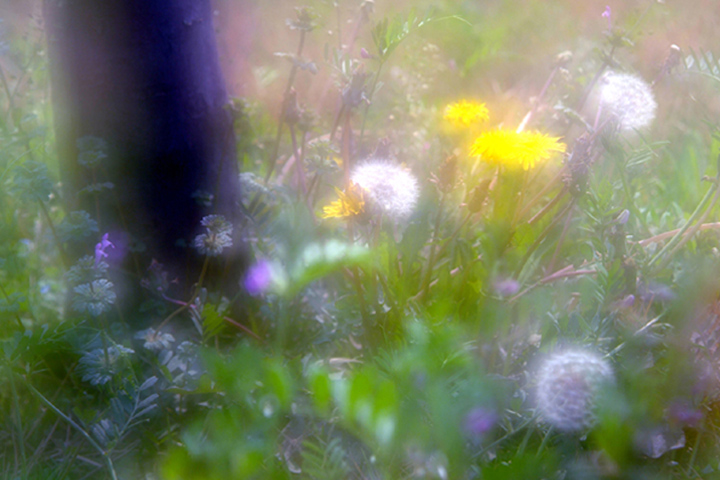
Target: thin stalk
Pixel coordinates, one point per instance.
(10, 96)
(560, 241)
(439, 254)
(272, 159)
(49, 221)
(628, 194)
(507, 435)
(123, 220)
(336, 123)
(431, 258)
(281, 121)
(17, 317)
(354, 274)
(544, 442)
(532, 111)
(693, 230)
(565, 272)
(370, 97)
(523, 445)
(185, 305)
(662, 236)
(103, 453)
(202, 277)
(454, 234)
(710, 195)
(696, 445)
(547, 207)
(300, 167)
(21, 435)
(540, 238)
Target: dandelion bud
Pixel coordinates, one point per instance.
(446, 174)
(623, 218)
(478, 196)
(567, 386)
(388, 188)
(291, 110)
(629, 99)
(354, 92)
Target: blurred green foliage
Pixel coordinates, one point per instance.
(374, 347)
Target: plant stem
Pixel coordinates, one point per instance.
(103, 453)
(662, 236)
(710, 197)
(63, 255)
(694, 451)
(354, 274)
(17, 317)
(272, 159)
(433, 242)
(560, 241)
(541, 237)
(300, 168)
(544, 442)
(507, 435)
(21, 435)
(367, 105)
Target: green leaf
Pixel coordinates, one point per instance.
(319, 260)
(321, 389)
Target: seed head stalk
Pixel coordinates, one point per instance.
(272, 159)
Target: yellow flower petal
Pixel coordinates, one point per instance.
(464, 113)
(348, 204)
(515, 150)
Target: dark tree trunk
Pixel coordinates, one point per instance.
(144, 76)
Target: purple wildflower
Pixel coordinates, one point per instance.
(506, 287)
(259, 278)
(365, 54)
(623, 218)
(607, 14)
(101, 247)
(627, 302)
(682, 413)
(480, 420)
(654, 291)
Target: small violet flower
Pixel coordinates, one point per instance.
(101, 247)
(479, 421)
(259, 278)
(607, 14)
(506, 287)
(682, 413)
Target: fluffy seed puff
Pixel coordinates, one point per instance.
(388, 188)
(629, 99)
(568, 382)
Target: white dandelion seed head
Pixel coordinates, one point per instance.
(568, 382)
(629, 99)
(388, 187)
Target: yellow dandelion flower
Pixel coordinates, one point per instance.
(515, 150)
(348, 204)
(464, 113)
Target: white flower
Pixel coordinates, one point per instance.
(629, 99)
(389, 188)
(155, 341)
(567, 385)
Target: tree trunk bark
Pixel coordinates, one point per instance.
(144, 76)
